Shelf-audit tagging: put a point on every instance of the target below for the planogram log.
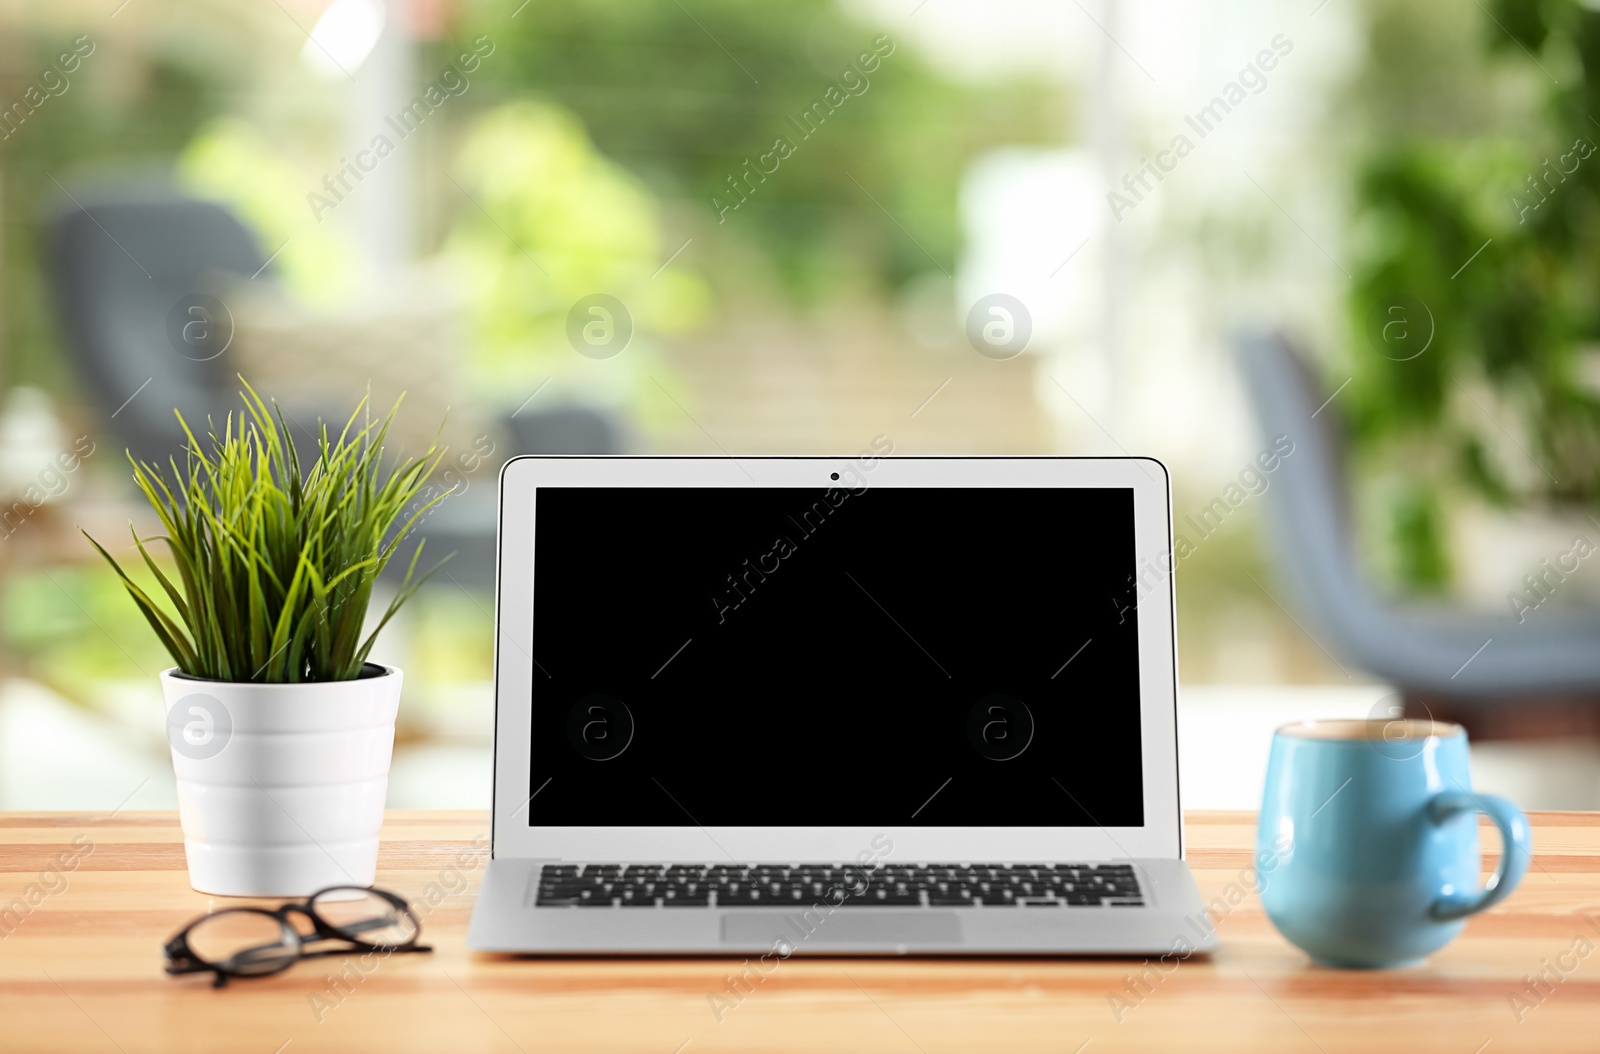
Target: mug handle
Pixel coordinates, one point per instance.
(1514, 856)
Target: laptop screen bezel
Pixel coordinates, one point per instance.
(1161, 836)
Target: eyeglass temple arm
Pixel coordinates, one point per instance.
(344, 929)
(325, 952)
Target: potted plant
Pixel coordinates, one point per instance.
(281, 730)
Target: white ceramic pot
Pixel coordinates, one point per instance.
(281, 786)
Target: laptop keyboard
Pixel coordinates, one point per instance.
(919, 885)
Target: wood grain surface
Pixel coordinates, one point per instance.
(81, 971)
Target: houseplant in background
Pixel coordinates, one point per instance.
(281, 731)
(1477, 198)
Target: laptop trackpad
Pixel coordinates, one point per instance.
(857, 926)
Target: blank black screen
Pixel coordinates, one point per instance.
(811, 657)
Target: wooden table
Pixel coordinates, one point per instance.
(81, 972)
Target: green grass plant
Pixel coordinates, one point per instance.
(277, 561)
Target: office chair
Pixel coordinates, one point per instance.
(1439, 658)
(120, 262)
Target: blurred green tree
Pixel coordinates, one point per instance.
(1481, 199)
(551, 222)
(686, 94)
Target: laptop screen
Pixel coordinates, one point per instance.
(794, 657)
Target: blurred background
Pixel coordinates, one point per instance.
(712, 226)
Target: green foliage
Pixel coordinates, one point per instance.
(1418, 522)
(1498, 406)
(74, 630)
(541, 219)
(552, 220)
(685, 94)
(265, 180)
(276, 567)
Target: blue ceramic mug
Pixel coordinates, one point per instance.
(1368, 845)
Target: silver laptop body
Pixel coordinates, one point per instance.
(865, 705)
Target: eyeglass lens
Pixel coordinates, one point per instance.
(244, 941)
(364, 915)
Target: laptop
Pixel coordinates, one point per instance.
(863, 705)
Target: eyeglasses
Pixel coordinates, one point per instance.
(255, 942)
